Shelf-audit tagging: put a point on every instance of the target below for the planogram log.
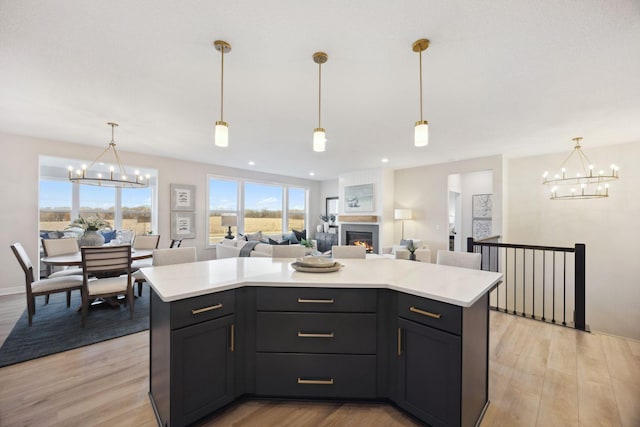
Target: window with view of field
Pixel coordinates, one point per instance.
(60, 201)
(258, 207)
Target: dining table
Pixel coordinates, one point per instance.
(75, 259)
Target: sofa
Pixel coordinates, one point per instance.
(231, 248)
(423, 253)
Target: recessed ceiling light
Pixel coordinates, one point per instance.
(251, 163)
(312, 173)
(384, 160)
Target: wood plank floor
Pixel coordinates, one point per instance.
(540, 375)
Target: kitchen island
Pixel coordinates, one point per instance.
(412, 333)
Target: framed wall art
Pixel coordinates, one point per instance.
(183, 225)
(482, 206)
(359, 198)
(183, 197)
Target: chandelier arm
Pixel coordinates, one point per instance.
(122, 169)
(98, 158)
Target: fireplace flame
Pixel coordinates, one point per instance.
(368, 246)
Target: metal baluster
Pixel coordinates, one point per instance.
(553, 306)
(544, 279)
(533, 288)
(524, 279)
(564, 291)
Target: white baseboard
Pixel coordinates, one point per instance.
(12, 291)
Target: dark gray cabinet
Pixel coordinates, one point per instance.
(442, 360)
(427, 356)
(314, 342)
(192, 357)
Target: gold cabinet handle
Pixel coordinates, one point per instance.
(425, 313)
(233, 337)
(399, 341)
(315, 301)
(318, 382)
(307, 335)
(205, 309)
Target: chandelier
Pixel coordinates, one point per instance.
(421, 132)
(119, 178)
(582, 182)
(222, 127)
(319, 135)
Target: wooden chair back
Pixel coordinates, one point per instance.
(175, 243)
(25, 263)
(146, 241)
(106, 260)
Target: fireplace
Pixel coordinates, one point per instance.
(360, 234)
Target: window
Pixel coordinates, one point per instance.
(136, 210)
(61, 201)
(262, 208)
(223, 199)
(267, 207)
(98, 201)
(55, 204)
(296, 211)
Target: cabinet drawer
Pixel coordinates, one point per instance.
(314, 375)
(316, 299)
(316, 332)
(429, 312)
(199, 309)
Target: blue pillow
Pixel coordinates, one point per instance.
(108, 235)
(291, 237)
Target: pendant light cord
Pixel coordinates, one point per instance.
(319, 94)
(222, 86)
(420, 85)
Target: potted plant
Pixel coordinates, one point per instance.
(307, 244)
(90, 230)
(332, 218)
(412, 252)
(325, 222)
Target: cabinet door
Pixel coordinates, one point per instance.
(203, 369)
(429, 378)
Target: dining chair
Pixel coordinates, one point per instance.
(350, 251)
(43, 286)
(175, 243)
(459, 259)
(144, 241)
(288, 251)
(111, 266)
(166, 257)
(64, 246)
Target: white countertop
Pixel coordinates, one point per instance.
(453, 285)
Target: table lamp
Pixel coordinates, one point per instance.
(229, 221)
(402, 214)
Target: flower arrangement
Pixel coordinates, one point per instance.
(332, 218)
(324, 218)
(92, 223)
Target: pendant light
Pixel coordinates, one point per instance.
(421, 133)
(319, 135)
(222, 127)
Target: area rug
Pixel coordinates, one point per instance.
(57, 328)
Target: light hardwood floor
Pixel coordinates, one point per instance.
(540, 375)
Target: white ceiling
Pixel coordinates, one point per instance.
(501, 77)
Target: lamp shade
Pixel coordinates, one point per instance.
(421, 134)
(222, 134)
(229, 220)
(402, 214)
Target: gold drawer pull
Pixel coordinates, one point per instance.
(233, 337)
(399, 341)
(425, 313)
(315, 301)
(320, 382)
(205, 309)
(307, 335)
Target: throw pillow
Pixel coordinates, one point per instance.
(254, 236)
(300, 234)
(406, 243)
(108, 235)
(275, 242)
(291, 237)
